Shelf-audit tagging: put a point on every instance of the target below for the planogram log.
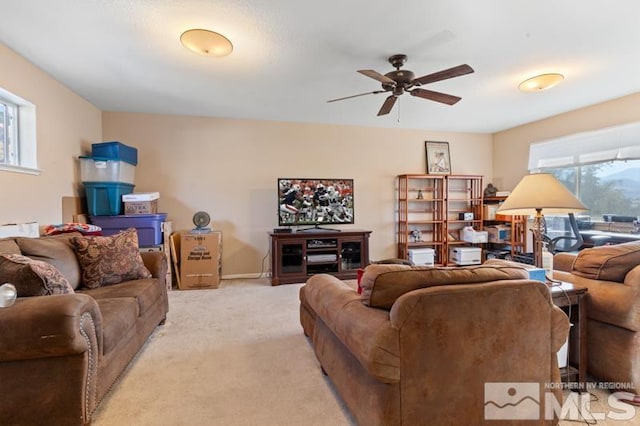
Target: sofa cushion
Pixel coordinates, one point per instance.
(9, 246)
(384, 284)
(146, 291)
(110, 260)
(119, 314)
(32, 277)
(56, 250)
(607, 263)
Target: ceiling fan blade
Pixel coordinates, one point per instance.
(435, 96)
(355, 96)
(443, 75)
(387, 105)
(377, 76)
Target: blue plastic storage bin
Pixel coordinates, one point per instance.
(116, 151)
(149, 226)
(105, 198)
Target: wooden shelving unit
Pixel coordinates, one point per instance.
(430, 205)
(517, 243)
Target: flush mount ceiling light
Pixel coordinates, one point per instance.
(205, 42)
(541, 82)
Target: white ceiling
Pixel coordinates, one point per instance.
(291, 56)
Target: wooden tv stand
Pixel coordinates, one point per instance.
(296, 256)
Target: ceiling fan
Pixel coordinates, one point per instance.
(400, 81)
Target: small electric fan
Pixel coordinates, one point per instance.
(201, 220)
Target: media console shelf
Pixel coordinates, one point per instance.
(296, 256)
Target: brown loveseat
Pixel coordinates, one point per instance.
(61, 353)
(612, 275)
(420, 344)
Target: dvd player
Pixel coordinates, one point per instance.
(321, 244)
(319, 258)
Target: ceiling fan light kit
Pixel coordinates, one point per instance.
(541, 82)
(400, 81)
(206, 43)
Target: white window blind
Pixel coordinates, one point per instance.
(608, 144)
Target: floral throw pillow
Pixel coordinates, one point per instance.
(110, 260)
(32, 277)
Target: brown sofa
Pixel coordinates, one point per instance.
(60, 354)
(612, 275)
(419, 345)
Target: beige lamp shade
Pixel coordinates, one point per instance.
(540, 192)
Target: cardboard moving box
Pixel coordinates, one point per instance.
(141, 207)
(422, 257)
(200, 255)
(499, 233)
(141, 203)
(465, 255)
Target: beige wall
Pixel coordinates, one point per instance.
(511, 147)
(66, 124)
(229, 168)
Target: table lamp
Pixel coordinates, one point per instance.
(535, 193)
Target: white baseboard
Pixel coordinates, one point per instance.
(255, 276)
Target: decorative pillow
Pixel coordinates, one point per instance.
(609, 263)
(32, 277)
(110, 260)
(384, 284)
(369, 276)
(359, 275)
(9, 246)
(55, 250)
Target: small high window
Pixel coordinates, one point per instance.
(8, 133)
(17, 134)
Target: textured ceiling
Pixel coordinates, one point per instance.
(291, 56)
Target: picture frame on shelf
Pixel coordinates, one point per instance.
(438, 158)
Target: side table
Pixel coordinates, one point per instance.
(570, 298)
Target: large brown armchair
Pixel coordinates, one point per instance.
(612, 275)
(420, 344)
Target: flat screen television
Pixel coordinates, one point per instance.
(315, 202)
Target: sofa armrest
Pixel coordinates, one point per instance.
(156, 263)
(49, 350)
(49, 326)
(563, 261)
(611, 302)
(365, 331)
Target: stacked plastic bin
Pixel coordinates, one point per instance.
(108, 175)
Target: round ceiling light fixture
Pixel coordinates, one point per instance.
(541, 82)
(205, 42)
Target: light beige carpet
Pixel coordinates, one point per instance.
(230, 356)
(237, 356)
